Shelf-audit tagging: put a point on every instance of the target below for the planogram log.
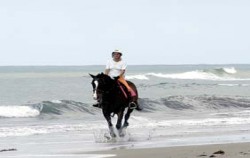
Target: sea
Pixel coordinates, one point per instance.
(46, 111)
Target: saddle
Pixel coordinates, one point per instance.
(124, 90)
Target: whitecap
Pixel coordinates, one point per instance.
(230, 70)
(197, 75)
(18, 111)
(139, 77)
(228, 84)
(56, 101)
(187, 75)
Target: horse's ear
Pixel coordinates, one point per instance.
(92, 75)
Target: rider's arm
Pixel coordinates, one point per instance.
(107, 71)
(107, 68)
(122, 73)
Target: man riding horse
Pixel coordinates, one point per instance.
(113, 101)
(116, 67)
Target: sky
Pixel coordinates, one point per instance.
(85, 32)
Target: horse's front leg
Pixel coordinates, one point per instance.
(119, 119)
(119, 127)
(108, 118)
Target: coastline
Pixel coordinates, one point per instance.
(229, 150)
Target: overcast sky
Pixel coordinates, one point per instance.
(85, 32)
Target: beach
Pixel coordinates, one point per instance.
(64, 64)
(46, 111)
(230, 150)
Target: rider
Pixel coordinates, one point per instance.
(117, 67)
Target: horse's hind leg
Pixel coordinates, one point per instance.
(127, 115)
(119, 120)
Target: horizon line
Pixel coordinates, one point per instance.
(131, 64)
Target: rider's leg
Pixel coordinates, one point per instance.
(124, 82)
(97, 105)
(132, 103)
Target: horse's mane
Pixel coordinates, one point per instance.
(102, 75)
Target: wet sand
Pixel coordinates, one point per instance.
(233, 150)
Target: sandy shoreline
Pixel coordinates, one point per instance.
(233, 150)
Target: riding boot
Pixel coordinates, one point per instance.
(132, 102)
(132, 105)
(97, 105)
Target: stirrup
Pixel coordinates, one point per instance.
(132, 105)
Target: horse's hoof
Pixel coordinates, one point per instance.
(118, 127)
(125, 124)
(111, 131)
(122, 132)
(113, 135)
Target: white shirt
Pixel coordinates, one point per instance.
(115, 67)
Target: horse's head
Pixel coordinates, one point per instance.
(101, 83)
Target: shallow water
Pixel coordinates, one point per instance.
(47, 111)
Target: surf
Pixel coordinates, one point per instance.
(213, 74)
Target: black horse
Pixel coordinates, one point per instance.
(113, 100)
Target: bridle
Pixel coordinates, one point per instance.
(96, 90)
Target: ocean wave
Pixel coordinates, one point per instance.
(64, 107)
(230, 70)
(225, 73)
(187, 75)
(222, 71)
(194, 103)
(216, 74)
(18, 111)
(139, 77)
(234, 85)
(45, 108)
(69, 108)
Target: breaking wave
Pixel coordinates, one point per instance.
(18, 111)
(45, 108)
(69, 108)
(64, 107)
(195, 103)
(221, 74)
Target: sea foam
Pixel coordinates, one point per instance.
(188, 75)
(139, 77)
(230, 70)
(18, 111)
